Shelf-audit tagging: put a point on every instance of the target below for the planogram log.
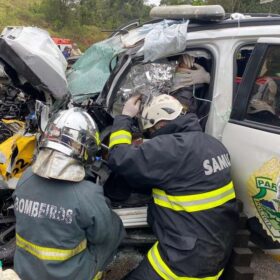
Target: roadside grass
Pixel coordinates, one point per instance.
(27, 13)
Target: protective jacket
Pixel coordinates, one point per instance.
(193, 214)
(64, 230)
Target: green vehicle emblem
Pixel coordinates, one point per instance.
(267, 205)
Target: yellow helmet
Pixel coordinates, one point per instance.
(161, 107)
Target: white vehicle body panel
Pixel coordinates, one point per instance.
(223, 44)
(249, 146)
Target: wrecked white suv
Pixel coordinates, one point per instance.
(240, 106)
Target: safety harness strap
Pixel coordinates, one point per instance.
(120, 137)
(195, 202)
(49, 254)
(165, 272)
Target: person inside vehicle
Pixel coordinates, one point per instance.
(66, 52)
(263, 104)
(64, 227)
(75, 51)
(189, 78)
(194, 213)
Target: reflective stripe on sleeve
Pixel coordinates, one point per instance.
(194, 202)
(49, 254)
(165, 272)
(120, 137)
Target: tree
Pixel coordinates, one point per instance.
(247, 6)
(102, 13)
(176, 2)
(59, 12)
(198, 2)
(182, 2)
(87, 11)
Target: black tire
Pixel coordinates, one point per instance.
(7, 252)
(7, 226)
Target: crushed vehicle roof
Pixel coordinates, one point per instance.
(90, 73)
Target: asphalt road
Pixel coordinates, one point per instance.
(265, 266)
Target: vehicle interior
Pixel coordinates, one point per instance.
(264, 100)
(155, 78)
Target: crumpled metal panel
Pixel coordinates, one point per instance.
(164, 40)
(31, 52)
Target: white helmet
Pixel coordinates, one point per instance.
(74, 133)
(161, 107)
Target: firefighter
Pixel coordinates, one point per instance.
(64, 228)
(194, 213)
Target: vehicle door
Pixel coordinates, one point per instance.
(252, 137)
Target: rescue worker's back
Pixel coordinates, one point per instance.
(63, 229)
(194, 213)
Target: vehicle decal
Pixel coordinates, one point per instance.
(18, 152)
(262, 187)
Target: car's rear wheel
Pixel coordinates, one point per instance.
(7, 226)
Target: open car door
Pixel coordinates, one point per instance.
(252, 137)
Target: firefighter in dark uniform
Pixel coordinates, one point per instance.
(64, 227)
(193, 213)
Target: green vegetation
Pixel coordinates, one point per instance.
(84, 21)
(248, 6)
(232, 6)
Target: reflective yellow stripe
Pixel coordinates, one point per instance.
(120, 137)
(97, 138)
(194, 202)
(165, 272)
(49, 254)
(98, 276)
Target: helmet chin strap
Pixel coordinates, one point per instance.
(157, 126)
(160, 124)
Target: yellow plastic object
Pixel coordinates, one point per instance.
(16, 154)
(276, 258)
(274, 253)
(14, 125)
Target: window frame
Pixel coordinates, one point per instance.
(235, 67)
(240, 105)
(114, 82)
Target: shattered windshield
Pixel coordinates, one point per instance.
(90, 73)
